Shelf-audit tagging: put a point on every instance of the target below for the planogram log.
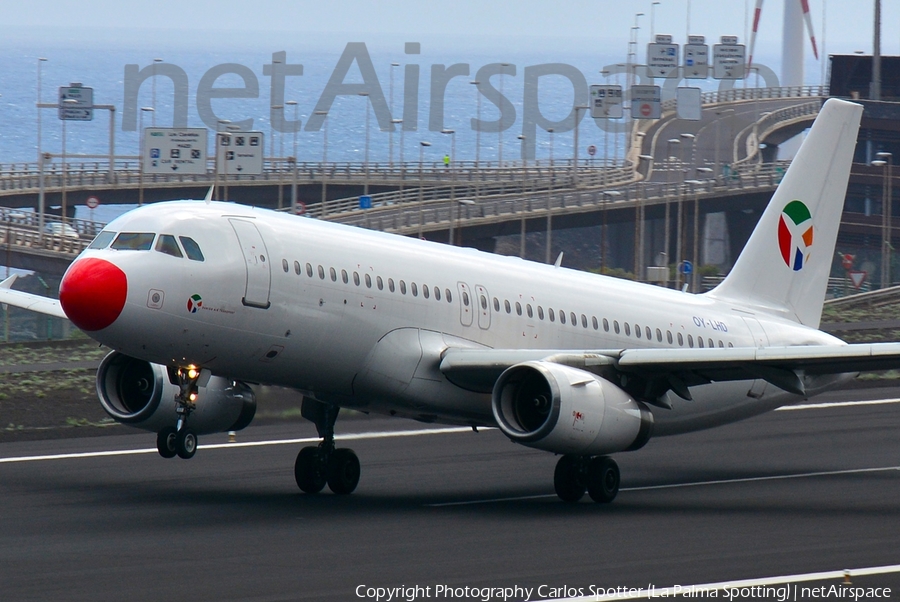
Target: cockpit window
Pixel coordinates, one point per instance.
(134, 241)
(168, 245)
(102, 241)
(191, 248)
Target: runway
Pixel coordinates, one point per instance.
(791, 492)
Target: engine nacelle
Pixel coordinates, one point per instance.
(565, 410)
(139, 394)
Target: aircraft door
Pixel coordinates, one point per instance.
(483, 307)
(256, 261)
(466, 303)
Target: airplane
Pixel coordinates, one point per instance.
(199, 300)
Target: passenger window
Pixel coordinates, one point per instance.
(414, 289)
(425, 292)
(496, 304)
(648, 333)
(402, 287)
(437, 294)
(134, 241)
(594, 323)
(333, 273)
(379, 283)
(637, 331)
(449, 296)
(167, 244)
(284, 262)
(321, 273)
(391, 284)
(368, 281)
(540, 313)
(356, 278)
(529, 311)
(191, 248)
(669, 336)
(506, 306)
(297, 267)
(680, 340)
(583, 321)
(605, 325)
(690, 341)
(659, 335)
(562, 317)
(574, 318)
(699, 342)
(484, 303)
(102, 240)
(711, 344)
(730, 345)
(720, 344)
(627, 330)
(345, 277)
(551, 314)
(466, 299)
(616, 326)
(309, 271)
(518, 308)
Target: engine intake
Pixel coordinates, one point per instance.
(139, 394)
(565, 410)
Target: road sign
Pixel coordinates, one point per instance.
(662, 57)
(686, 268)
(857, 278)
(239, 153)
(645, 102)
(688, 103)
(92, 202)
(365, 201)
(729, 59)
(592, 150)
(847, 261)
(76, 103)
(606, 102)
(174, 150)
(696, 58)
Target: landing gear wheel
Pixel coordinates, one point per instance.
(165, 442)
(569, 478)
(309, 470)
(186, 443)
(603, 479)
(343, 471)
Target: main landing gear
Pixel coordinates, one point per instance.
(181, 440)
(574, 475)
(316, 466)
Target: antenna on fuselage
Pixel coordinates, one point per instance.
(209, 194)
(558, 260)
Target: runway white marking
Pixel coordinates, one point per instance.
(745, 585)
(837, 404)
(152, 450)
(780, 477)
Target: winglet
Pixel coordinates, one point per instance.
(209, 194)
(558, 260)
(9, 281)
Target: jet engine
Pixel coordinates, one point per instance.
(140, 394)
(566, 410)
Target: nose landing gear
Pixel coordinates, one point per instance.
(317, 466)
(181, 440)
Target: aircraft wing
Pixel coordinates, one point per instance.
(43, 305)
(650, 373)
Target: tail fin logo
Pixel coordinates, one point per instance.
(795, 234)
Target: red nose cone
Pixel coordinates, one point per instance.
(92, 293)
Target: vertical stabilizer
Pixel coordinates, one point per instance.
(785, 266)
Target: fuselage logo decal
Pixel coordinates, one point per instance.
(194, 303)
(795, 234)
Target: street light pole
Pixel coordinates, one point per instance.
(140, 154)
(366, 180)
(40, 153)
(324, 115)
(293, 103)
(391, 131)
(153, 117)
(668, 225)
(452, 134)
(503, 67)
(422, 145)
(884, 161)
(575, 150)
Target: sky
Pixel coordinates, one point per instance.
(536, 23)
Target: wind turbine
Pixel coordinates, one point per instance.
(795, 12)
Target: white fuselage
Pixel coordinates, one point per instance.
(278, 310)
